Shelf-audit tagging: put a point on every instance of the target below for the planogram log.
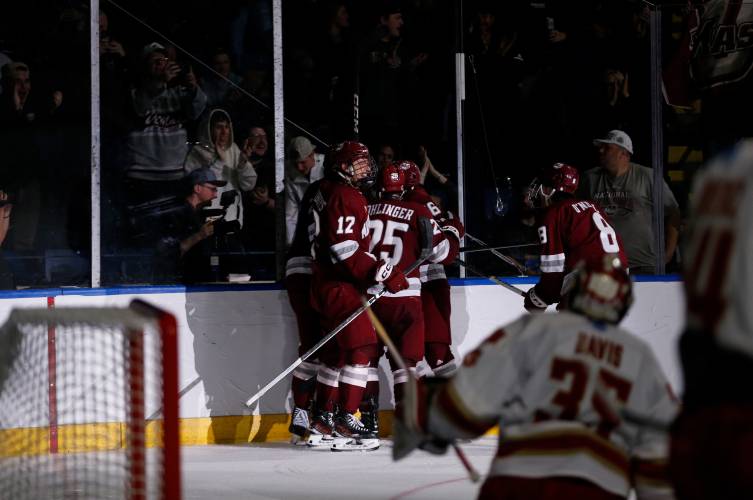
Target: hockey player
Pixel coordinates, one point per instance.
(557, 386)
(343, 270)
(435, 289)
(395, 237)
(712, 438)
(298, 285)
(570, 230)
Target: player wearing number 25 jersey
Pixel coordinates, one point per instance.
(395, 236)
(556, 385)
(571, 230)
(713, 438)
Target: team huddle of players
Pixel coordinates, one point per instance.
(583, 407)
(346, 247)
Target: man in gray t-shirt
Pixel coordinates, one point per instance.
(625, 192)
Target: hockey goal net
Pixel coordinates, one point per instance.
(89, 404)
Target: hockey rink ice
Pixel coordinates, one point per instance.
(280, 471)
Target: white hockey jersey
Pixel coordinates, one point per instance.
(719, 256)
(555, 384)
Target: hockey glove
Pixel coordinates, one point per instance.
(452, 226)
(533, 303)
(411, 419)
(392, 278)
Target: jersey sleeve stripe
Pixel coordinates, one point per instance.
(553, 263)
(441, 251)
(343, 250)
(298, 265)
(431, 272)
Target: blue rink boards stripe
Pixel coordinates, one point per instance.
(253, 287)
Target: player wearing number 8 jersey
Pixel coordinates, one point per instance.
(713, 438)
(571, 230)
(556, 385)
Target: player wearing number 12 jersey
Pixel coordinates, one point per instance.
(571, 230)
(556, 385)
(343, 269)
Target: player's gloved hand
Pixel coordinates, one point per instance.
(392, 278)
(452, 225)
(411, 419)
(533, 302)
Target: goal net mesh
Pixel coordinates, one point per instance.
(82, 415)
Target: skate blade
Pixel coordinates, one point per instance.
(356, 445)
(296, 440)
(316, 440)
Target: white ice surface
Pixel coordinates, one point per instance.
(280, 471)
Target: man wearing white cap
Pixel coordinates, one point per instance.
(302, 167)
(625, 192)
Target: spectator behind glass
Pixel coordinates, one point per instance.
(218, 88)
(303, 166)
(215, 149)
(381, 66)
(22, 114)
(259, 227)
(165, 99)
(186, 242)
(6, 276)
(385, 156)
(625, 192)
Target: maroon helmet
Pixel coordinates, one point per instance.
(602, 291)
(559, 177)
(412, 173)
(351, 161)
(392, 179)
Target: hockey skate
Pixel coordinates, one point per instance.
(299, 426)
(370, 417)
(321, 430)
(352, 434)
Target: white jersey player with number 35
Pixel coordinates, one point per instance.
(557, 386)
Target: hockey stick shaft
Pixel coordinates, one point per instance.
(426, 248)
(503, 247)
(514, 263)
(398, 358)
(491, 278)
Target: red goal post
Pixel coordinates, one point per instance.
(89, 404)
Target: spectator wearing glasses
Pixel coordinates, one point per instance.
(260, 226)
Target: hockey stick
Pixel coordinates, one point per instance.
(503, 247)
(426, 230)
(491, 278)
(514, 263)
(472, 472)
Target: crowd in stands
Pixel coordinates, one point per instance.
(188, 85)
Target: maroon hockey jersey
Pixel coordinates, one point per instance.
(339, 227)
(570, 231)
(395, 237)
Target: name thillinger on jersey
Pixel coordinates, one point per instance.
(390, 211)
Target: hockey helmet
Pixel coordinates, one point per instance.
(602, 291)
(412, 173)
(392, 180)
(351, 162)
(557, 178)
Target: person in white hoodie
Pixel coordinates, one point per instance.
(216, 149)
